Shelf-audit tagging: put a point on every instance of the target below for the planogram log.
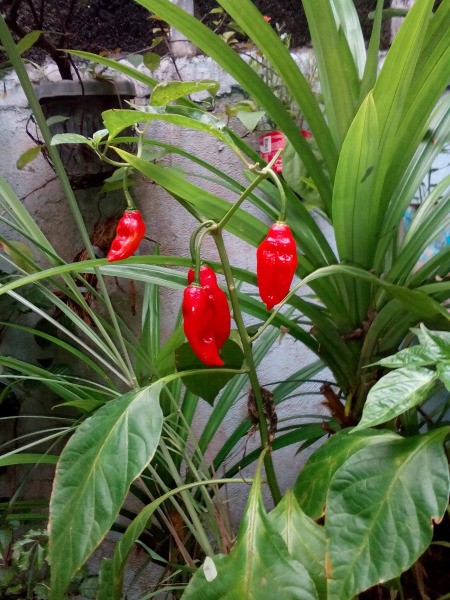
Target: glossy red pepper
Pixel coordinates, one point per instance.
(129, 233)
(218, 301)
(276, 261)
(198, 319)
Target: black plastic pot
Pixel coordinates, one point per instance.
(82, 106)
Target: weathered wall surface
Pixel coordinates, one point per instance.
(168, 224)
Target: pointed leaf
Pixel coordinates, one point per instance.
(106, 453)
(69, 138)
(395, 393)
(258, 566)
(163, 93)
(304, 539)
(29, 155)
(443, 372)
(380, 510)
(415, 355)
(312, 484)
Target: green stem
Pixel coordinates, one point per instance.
(195, 245)
(248, 354)
(283, 201)
(131, 204)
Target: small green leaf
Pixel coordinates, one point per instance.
(29, 155)
(134, 59)
(312, 484)
(69, 138)
(56, 119)
(164, 93)
(250, 119)
(304, 539)
(28, 40)
(152, 60)
(207, 386)
(105, 454)
(395, 393)
(380, 510)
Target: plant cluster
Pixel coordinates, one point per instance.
(358, 514)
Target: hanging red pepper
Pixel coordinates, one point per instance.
(276, 261)
(219, 304)
(198, 319)
(129, 233)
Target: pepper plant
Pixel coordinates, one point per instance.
(377, 135)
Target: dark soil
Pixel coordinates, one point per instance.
(123, 26)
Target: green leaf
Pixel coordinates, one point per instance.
(250, 119)
(152, 60)
(415, 355)
(312, 484)
(355, 210)
(106, 453)
(437, 343)
(28, 156)
(28, 40)
(395, 393)
(305, 540)
(258, 566)
(69, 138)
(163, 93)
(443, 372)
(380, 509)
(134, 59)
(56, 119)
(207, 386)
(20, 254)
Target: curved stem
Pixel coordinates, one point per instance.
(250, 363)
(283, 202)
(131, 204)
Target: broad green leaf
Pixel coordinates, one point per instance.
(415, 355)
(380, 509)
(312, 484)
(304, 539)
(166, 92)
(29, 155)
(69, 138)
(207, 386)
(395, 393)
(258, 566)
(106, 453)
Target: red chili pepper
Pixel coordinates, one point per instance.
(198, 318)
(129, 233)
(276, 261)
(219, 304)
